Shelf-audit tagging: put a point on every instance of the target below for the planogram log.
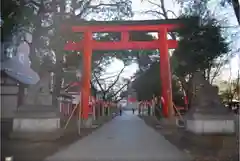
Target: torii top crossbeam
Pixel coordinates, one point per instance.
(124, 27)
(104, 26)
(88, 44)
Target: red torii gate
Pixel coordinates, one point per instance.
(87, 44)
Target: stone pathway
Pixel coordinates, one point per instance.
(125, 138)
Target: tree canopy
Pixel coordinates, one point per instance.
(199, 46)
(43, 20)
(148, 84)
(200, 41)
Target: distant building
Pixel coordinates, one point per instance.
(131, 97)
(74, 89)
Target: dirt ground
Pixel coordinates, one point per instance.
(203, 148)
(24, 150)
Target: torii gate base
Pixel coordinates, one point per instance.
(124, 27)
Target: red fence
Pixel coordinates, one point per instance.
(67, 108)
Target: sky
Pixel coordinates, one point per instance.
(138, 7)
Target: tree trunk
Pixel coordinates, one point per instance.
(236, 8)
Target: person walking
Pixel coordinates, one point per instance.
(139, 108)
(120, 109)
(133, 110)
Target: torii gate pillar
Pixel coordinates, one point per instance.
(87, 66)
(165, 73)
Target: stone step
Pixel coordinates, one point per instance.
(37, 108)
(38, 136)
(37, 114)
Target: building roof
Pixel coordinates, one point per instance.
(128, 23)
(16, 70)
(75, 87)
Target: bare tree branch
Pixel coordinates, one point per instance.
(155, 4)
(128, 82)
(163, 13)
(92, 85)
(117, 100)
(216, 72)
(236, 7)
(161, 6)
(87, 6)
(163, 9)
(103, 4)
(108, 77)
(99, 84)
(120, 89)
(35, 3)
(218, 67)
(115, 81)
(95, 65)
(172, 13)
(84, 7)
(155, 13)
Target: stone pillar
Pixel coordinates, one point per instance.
(37, 118)
(88, 123)
(207, 114)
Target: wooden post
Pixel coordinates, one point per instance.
(152, 108)
(103, 109)
(99, 110)
(109, 110)
(94, 111)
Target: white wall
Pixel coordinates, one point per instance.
(76, 99)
